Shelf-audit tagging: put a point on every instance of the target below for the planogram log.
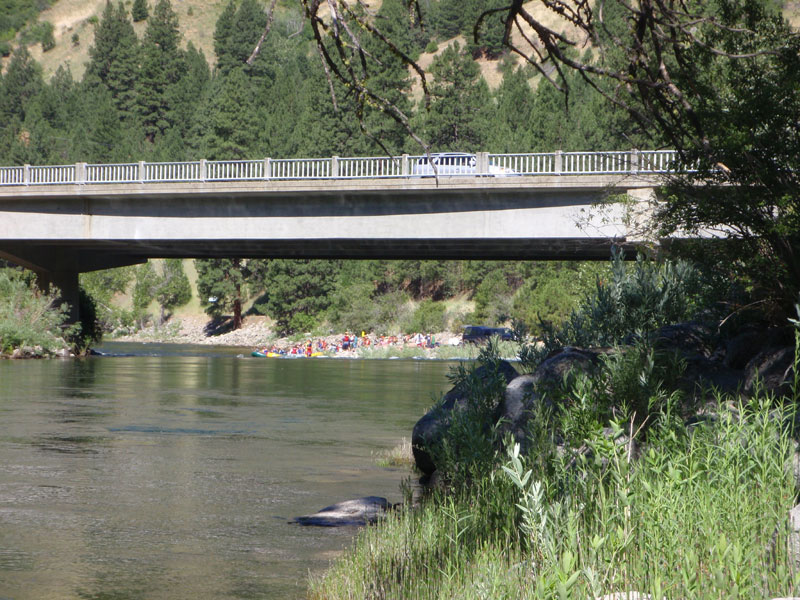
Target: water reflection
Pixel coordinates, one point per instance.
(175, 476)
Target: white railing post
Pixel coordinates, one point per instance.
(559, 165)
(141, 172)
(334, 166)
(26, 174)
(482, 163)
(202, 174)
(404, 165)
(635, 158)
(80, 172)
(267, 168)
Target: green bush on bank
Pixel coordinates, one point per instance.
(29, 317)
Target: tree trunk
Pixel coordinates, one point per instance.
(237, 313)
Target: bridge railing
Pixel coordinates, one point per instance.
(542, 163)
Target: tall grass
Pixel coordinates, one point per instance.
(702, 514)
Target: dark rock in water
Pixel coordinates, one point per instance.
(359, 511)
(773, 367)
(435, 422)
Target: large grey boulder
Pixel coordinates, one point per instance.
(524, 394)
(554, 368)
(742, 348)
(690, 339)
(773, 367)
(435, 422)
(359, 511)
(519, 401)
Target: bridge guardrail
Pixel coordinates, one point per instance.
(540, 163)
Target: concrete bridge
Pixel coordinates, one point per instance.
(62, 220)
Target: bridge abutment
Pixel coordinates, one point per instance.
(68, 286)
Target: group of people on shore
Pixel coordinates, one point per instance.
(350, 342)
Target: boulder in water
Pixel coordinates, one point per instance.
(359, 511)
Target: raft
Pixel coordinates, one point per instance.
(260, 354)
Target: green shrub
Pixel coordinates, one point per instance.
(636, 299)
(429, 317)
(29, 317)
(431, 47)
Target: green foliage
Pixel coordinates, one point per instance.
(492, 300)
(459, 117)
(39, 33)
(428, 317)
(297, 292)
(174, 289)
(15, 14)
(467, 449)
(139, 10)
(100, 287)
(29, 317)
(636, 298)
(552, 292)
(716, 497)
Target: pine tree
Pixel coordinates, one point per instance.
(236, 36)
(174, 288)
(299, 292)
(163, 65)
(22, 82)
(139, 10)
(228, 121)
(223, 29)
(222, 286)
(114, 58)
(460, 114)
(515, 102)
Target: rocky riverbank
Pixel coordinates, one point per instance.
(256, 332)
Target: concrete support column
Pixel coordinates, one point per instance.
(202, 169)
(404, 167)
(559, 163)
(334, 166)
(142, 172)
(267, 168)
(26, 174)
(67, 284)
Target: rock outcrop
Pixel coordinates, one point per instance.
(435, 422)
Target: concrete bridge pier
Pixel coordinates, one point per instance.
(67, 284)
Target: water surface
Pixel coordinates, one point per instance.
(171, 472)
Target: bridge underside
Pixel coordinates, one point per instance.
(81, 256)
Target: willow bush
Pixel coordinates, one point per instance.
(29, 317)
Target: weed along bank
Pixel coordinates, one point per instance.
(652, 465)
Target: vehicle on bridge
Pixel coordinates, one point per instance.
(455, 163)
(475, 334)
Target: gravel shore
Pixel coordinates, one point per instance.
(256, 332)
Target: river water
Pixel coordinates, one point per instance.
(170, 472)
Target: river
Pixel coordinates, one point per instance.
(170, 472)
